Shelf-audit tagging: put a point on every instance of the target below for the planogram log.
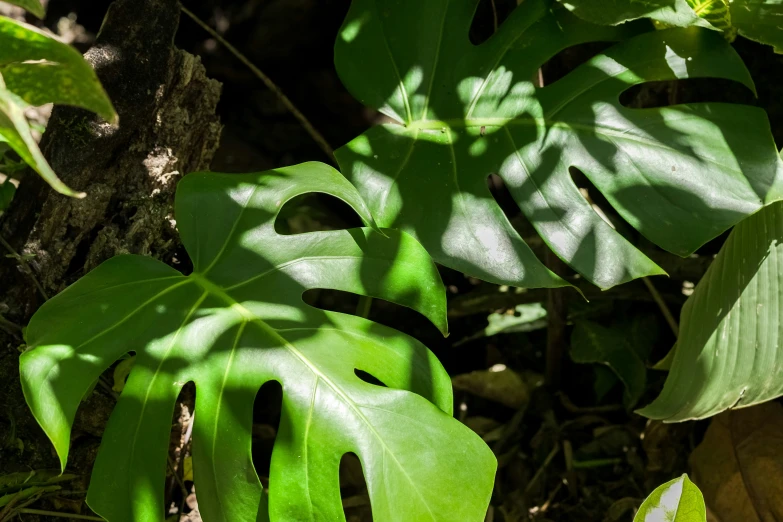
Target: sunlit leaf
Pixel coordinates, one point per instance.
(36, 69)
(729, 350)
(238, 322)
(680, 175)
(678, 500)
(677, 13)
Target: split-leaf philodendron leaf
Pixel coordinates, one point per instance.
(34, 6)
(36, 69)
(681, 175)
(759, 20)
(239, 321)
(729, 349)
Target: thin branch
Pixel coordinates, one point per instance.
(312, 131)
(494, 15)
(56, 514)
(667, 314)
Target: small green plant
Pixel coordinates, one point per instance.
(678, 500)
(36, 69)
(239, 321)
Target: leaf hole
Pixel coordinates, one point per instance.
(315, 212)
(382, 312)
(267, 407)
(504, 199)
(598, 202)
(490, 15)
(353, 489)
(180, 440)
(651, 95)
(368, 378)
(558, 66)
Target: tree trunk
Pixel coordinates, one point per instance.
(168, 127)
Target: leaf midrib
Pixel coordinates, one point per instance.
(249, 317)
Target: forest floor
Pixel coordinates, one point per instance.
(575, 454)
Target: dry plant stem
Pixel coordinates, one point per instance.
(312, 131)
(25, 267)
(56, 514)
(540, 471)
(667, 314)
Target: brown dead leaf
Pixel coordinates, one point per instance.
(739, 465)
(500, 384)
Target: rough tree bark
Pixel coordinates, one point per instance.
(168, 127)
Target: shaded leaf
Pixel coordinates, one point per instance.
(678, 500)
(759, 20)
(7, 191)
(680, 175)
(592, 343)
(739, 464)
(238, 322)
(34, 6)
(728, 353)
(523, 318)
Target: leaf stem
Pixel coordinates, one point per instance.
(363, 308)
(272, 86)
(667, 314)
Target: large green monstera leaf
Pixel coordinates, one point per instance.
(239, 321)
(759, 20)
(36, 69)
(680, 175)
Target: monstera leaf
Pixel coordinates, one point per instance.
(679, 13)
(238, 322)
(36, 69)
(729, 350)
(680, 175)
(759, 20)
(34, 6)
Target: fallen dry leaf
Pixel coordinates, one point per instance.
(500, 384)
(739, 465)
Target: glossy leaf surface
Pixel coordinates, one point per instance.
(36, 69)
(729, 350)
(678, 500)
(238, 322)
(678, 13)
(680, 175)
(759, 20)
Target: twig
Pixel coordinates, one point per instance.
(667, 314)
(25, 267)
(494, 15)
(56, 514)
(540, 470)
(312, 131)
